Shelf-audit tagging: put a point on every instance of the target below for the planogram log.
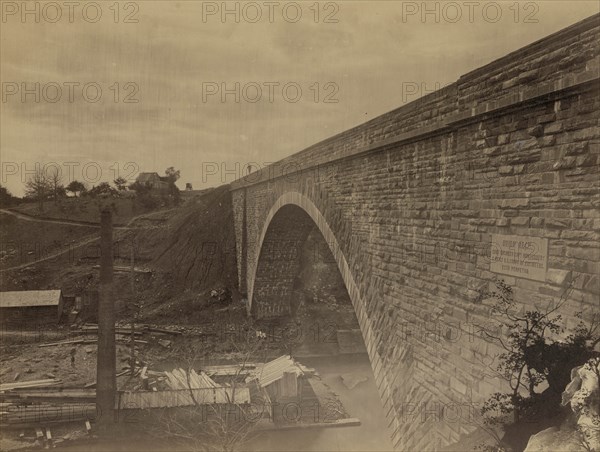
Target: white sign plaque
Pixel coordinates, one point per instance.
(523, 257)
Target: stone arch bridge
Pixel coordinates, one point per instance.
(420, 208)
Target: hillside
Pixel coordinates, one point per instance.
(86, 208)
(192, 278)
(190, 251)
(23, 241)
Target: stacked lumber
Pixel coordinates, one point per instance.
(91, 341)
(28, 414)
(29, 384)
(178, 379)
(229, 370)
(139, 329)
(94, 329)
(45, 395)
(71, 342)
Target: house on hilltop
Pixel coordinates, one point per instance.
(154, 182)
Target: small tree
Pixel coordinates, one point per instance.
(6, 198)
(38, 187)
(55, 179)
(102, 188)
(76, 187)
(139, 188)
(172, 176)
(121, 183)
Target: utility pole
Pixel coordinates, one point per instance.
(132, 359)
(106, 382)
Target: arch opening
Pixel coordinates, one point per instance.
(298, 282)
(274, 263)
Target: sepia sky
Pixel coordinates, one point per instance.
(370, 56)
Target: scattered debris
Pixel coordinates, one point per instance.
(160, 330)
(221, 295)
(119, 268)
(165, 343)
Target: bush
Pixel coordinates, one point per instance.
(148, 201)
(534, 355)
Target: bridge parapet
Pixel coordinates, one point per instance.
(546, 69)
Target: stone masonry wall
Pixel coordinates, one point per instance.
(409, 202)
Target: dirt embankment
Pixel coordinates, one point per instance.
(197, 245)
(190, 251)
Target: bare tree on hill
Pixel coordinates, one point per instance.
(55, 179)
(38, 187)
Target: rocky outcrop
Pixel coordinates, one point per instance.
(555, 439)
(583, 395)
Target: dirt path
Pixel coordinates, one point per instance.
(86, 241)
(26, 217)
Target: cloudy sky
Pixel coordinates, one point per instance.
(143, 82)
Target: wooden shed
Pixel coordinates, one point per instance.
(31, 306)
(281, 378)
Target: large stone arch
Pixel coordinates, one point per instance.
(276, 219)
(293, 214)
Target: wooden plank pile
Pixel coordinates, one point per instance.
(45, 395)
(16, 414)
(180, 379)
(119, 339)
(91, 329)
(230, 370)
(71, 342)
(29, 384)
